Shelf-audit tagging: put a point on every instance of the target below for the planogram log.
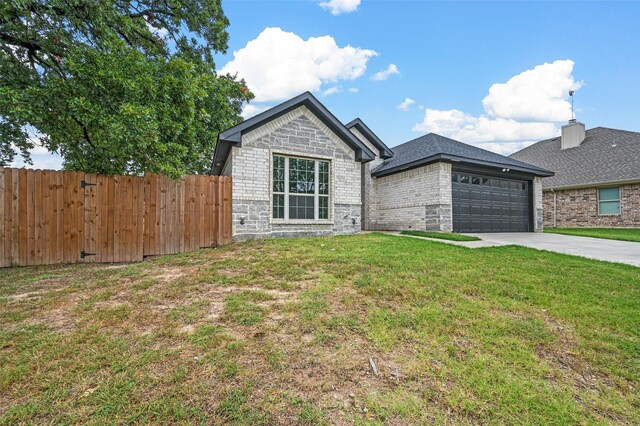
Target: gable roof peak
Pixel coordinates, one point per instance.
(233, 135)
(385, 151)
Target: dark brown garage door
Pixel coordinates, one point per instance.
(489, 204)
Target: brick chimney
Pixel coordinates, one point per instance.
(572, 134)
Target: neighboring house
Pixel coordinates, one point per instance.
(597, 177)
(297, 170)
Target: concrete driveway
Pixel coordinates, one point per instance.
(594, 248)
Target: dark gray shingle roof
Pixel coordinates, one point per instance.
(431, 148)
(233, 135)
(606, 155)
(383, 149)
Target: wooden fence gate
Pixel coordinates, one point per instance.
(49, 217)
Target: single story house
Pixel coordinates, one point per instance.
(297, 170)
(597, 176)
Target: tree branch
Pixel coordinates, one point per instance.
(9, 39)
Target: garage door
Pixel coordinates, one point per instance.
(489, 204)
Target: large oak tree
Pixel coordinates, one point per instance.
(116, 87)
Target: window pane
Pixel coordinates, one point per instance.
(323, 177)
(475, 180)
(485, 181)
(301, 176)
(300, 207)
(278, 206)
(609, 194)
(278, 174)
(454, 177)
(464, 179)
(323, 208)
(610, 207)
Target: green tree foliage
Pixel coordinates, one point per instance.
(116, 87)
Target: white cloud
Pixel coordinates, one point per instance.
(353, 90)
(404, 106)
(41, 158)
(336, 7)
(250, 110)
(505, 148)
(332, 90)
(524, 109)
(160, 32)
(278, 64)
(467, 128)
(385, 74)
(539, 94)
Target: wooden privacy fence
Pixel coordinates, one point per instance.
(51, 217)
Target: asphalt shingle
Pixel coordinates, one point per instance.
(432, 145)
(606, 155)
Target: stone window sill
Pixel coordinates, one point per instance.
(302, 222)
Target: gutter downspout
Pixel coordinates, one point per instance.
(555, 209)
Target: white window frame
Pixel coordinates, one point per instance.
(316, 195)
(609, 201)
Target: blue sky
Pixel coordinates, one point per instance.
(448, 55)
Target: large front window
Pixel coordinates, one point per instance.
(300, 188)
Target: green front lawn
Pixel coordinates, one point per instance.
(283, 331)
(441, 235)
(623, 234)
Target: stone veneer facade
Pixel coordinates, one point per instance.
(418, 199)
(415, 199)
(368, 188)
(579, 208)
(538, 205)
(298, 133)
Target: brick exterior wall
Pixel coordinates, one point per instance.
(297, 133)
(368, 192)
(579, 208)
(416, 199)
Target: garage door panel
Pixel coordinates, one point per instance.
(489, 204)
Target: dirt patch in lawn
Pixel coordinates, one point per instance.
(28, 295)
(169, 274)
(58, 320)
(572, 368)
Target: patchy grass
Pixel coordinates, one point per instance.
(441, 235)
(622, 234)
(282, 332)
